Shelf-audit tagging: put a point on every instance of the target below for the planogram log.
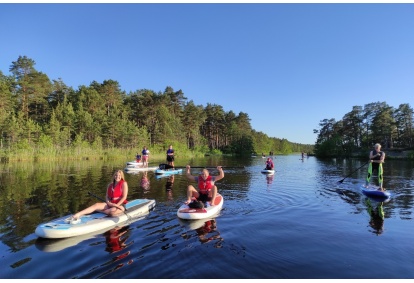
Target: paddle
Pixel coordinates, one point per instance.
(211, 167)
(353, 172)
(101, 199)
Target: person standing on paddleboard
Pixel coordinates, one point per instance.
(207, 190)
(170, 156)
(116, 198)
(376, 158)
(145, 156)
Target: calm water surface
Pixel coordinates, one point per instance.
(299, 224)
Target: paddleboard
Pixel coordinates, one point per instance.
(134, 163)
(185, 212)
(270, 172)
(372, 191)
(168, 171)
(139, 169)
(63, 228)
(194, 224)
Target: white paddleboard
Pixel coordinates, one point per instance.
(185, 212)
(62, 228)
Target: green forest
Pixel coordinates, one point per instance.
(46, 119)
(362, 127)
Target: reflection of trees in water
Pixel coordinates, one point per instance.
(376, 216)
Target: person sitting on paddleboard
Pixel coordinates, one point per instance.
(138, 158)
(376, 157)
(116, 198)
(207, 190)
(269, 164)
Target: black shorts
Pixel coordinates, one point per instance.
(170, 158)
(203, 197)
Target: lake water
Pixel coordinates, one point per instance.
(300, 224)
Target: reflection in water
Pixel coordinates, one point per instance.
(269, 178)
(40, 194)
(169, 187)
(170, 183)
(145, 183)
(377, 216)
(115, 242)
(209, 232)
(206, 230)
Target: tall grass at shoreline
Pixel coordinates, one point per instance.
(83, 153)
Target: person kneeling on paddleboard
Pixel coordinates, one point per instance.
(207, 190)
(269, 164)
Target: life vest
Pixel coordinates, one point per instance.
(114, 194)
(205, 185)
(269, 164)
(377, 157)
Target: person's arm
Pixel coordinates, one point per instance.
(188, 173)
(382, 158)
(221, 174)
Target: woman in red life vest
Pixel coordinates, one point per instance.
(116, 198)
(207, 190)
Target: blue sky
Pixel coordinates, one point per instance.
(288, 66)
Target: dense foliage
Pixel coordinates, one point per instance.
(363, 127)
(49, 118)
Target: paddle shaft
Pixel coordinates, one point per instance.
(353, 172)
(210, 167)
(101, 199)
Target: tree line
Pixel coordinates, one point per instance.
(362, 127)
(39, 113)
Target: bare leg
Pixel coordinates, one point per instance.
(191, 191)
(213, 195)
(114, 211)
(99, 206)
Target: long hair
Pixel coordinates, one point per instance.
(113, 177)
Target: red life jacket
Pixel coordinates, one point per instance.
(205, 185)
(114, 194)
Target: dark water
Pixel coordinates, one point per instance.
(301, 224)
